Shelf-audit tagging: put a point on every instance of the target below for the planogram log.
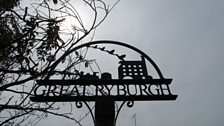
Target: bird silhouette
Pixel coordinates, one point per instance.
(111, 51)
(102, 48)
(121, 57)
(94, 46)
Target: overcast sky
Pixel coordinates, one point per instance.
(186, 40)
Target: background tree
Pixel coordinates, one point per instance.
(37, 38)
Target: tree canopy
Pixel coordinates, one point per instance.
(36, 39)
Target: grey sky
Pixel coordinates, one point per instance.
(185, 39)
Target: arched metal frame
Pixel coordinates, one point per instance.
(129, 103)
(124, 45)
(111, 116)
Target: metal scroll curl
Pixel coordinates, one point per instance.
(130, 104)
(78, 104)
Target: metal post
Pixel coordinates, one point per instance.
(104, 112)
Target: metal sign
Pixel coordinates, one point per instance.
(104, 90)
(145, 87)
(76, 90)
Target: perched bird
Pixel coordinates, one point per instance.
(121, 57)
(111, 52)
(102, 48)
(94, 46)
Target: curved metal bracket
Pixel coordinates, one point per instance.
(129, 104)
(79, 105)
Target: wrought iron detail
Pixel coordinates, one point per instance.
(130, 104)
(105, 88)
(114, 43)
(91, 112)
(78, 104)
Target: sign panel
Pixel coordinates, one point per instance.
(88, 90)
(89, 86)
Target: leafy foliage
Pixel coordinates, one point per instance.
(35, 42)
(8, 4)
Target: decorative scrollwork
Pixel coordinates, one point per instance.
(78, 104)
(130, 104)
